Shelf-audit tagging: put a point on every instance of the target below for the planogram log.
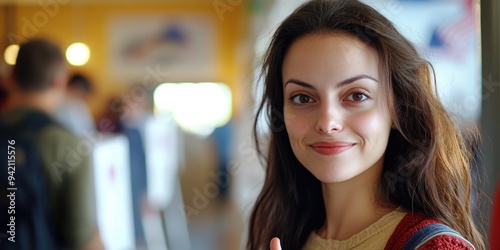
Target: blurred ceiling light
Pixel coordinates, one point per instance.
(78, 54)
(197, 108)
(10, 54)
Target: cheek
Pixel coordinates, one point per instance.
(370, 125)
(289, 117)
(295, 124)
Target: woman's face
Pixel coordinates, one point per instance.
(335, 109)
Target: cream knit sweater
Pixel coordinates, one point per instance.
(373, 237)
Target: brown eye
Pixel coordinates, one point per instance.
(357, 97)
(300, 99)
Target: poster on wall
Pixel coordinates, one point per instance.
(166, 47)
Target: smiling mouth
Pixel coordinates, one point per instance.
(326, 148)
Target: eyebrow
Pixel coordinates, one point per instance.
(340, 84)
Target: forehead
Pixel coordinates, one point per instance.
(331, 55)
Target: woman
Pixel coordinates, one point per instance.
(362, 154)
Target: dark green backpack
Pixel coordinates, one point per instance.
(25, 221)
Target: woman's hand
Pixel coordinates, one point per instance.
(275, 244)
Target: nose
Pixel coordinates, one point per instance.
(329, 120)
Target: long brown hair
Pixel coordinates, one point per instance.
(427, 162)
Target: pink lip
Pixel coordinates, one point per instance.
(331, 148)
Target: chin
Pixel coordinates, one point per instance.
(329, 176)
(332, 180)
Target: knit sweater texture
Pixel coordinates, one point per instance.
(391, 232)
(411, 223)
(373, 237)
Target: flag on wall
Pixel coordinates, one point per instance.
(451, 39)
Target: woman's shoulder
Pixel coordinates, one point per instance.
(446, 242)
(412, 223)
(409, 225)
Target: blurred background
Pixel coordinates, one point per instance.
(183, 73)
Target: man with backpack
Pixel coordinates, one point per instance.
(46, 192)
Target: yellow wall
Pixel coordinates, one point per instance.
(94, 18)
(2, 30)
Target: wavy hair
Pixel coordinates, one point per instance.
(427, 161)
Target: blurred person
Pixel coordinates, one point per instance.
(362, 154)
(127, 117)
(222, 138)
(109, 121)
(53, 204)
(133, 116)
(73, 113)
(147, 138)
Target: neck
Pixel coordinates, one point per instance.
(45, 101)
(352, 206)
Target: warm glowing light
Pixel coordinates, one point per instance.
(196, 107)
(10, 54)
(78, 54)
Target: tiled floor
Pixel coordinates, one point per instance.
(218, 228)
